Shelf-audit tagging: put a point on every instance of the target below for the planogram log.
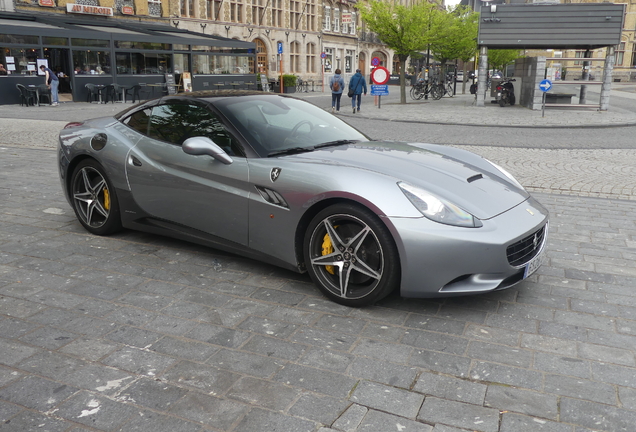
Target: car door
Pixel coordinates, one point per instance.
(199, 192)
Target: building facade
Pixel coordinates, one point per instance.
(316, 37)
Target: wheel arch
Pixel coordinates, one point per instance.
(312, 211)
(71, 169)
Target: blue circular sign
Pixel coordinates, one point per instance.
(323, 55)
(545, 85)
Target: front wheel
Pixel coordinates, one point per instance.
(94, 199)
(351, 256)
(437, 91)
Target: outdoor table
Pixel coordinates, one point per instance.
(34, 89)
(154, 86)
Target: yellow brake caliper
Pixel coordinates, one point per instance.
(327, 248)
(106, 200)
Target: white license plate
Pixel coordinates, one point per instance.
(534, 265)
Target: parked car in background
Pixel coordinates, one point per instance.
(459, 77)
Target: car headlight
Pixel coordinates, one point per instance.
(507, 174)
(438, 209)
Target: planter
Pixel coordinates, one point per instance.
(290, 89)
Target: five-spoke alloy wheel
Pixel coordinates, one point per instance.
(351, 255)
(94, 199)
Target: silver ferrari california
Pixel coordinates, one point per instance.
(280, 180)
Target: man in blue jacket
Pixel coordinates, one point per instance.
(357, 85)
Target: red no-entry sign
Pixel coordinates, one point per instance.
(380, 75)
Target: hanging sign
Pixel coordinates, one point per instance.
(47, 3)
(127, 10)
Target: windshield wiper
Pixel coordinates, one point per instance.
(292, 150)
(336, 143)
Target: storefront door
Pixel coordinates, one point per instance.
(60, 63)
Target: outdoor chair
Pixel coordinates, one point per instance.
(133, 92)
(93, 93)
(44, 91)
(26, 97)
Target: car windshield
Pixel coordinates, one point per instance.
(273, 124)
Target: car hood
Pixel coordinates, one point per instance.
(463, 178)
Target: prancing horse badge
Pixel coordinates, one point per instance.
(274, 173)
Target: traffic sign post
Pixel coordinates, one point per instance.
(379, 79)
(544, 86)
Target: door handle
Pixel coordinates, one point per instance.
(134, 161)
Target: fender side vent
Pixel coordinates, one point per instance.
(474, 178)
(272, 197)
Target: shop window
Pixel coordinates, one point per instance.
(181, 63)
(90, 42)
(328, 59)
(20, 60)
(19, 39)
(91, 62)
(143, 63)
(54, 40)
(349, 55)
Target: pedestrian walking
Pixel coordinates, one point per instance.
(357, 86)
(336, 84)
(52, 82)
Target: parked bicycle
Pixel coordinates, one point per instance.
(422, 88)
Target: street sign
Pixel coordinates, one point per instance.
(545, 85)
(323, 55)
(280, 47)
(379, 89)
(375, 61)
(380, 75)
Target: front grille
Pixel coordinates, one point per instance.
(524, 250)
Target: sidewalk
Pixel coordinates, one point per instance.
(460, 110)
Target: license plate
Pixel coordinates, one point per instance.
(534, 265)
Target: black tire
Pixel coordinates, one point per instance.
(351, 256)
(94, 199)
(512, 99)
(502, 102)
(412, 93)
(437, 91)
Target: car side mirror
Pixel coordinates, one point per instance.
(197, 146)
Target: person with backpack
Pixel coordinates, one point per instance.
(357, 86)
(336, 84)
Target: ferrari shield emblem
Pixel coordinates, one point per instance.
(274, 173)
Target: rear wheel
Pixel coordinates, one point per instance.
(512, 99)
(351, 256)
(94, 199)
(502, 102)
(437, 92)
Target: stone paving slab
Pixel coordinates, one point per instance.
(117, 333)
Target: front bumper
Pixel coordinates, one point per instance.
(440, 260)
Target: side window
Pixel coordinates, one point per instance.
(139, 121)
(177, 121)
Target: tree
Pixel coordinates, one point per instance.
(499, 59)
(458, 37)
(404, 29)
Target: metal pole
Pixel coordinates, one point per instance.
(543, 106)
(585, 77)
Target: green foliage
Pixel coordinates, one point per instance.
(404, 29)
(499, 59)
(289, 80)
(457, 38)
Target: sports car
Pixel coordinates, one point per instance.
(279, 179)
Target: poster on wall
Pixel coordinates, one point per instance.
(186, 81)
(41, 62)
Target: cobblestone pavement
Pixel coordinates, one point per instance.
(136, 332)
